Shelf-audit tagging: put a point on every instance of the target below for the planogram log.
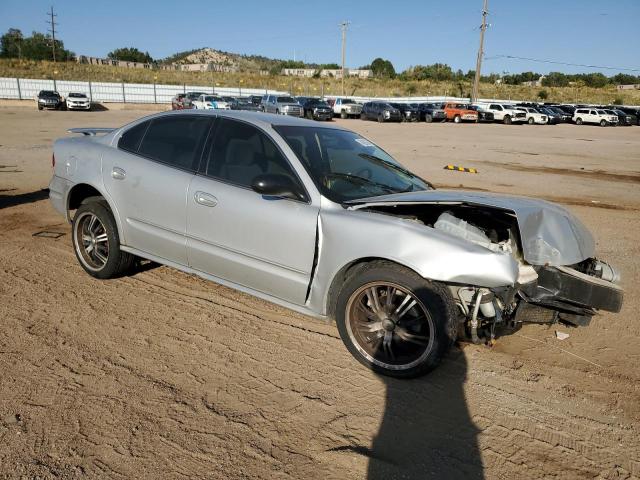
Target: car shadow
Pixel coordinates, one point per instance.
(7, 201)
(426, 430)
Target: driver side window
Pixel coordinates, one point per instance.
(240, 152)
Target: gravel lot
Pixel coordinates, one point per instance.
(164, 375)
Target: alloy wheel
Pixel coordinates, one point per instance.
(91, 241)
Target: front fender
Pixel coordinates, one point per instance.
(347, 236)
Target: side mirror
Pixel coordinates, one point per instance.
(276, 185)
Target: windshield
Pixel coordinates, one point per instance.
(347, 100)
(211, 98)
(77, 95)
(48, 93)
(601, 112)
(286, 100)
(345, 166)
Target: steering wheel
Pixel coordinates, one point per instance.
(364, 173)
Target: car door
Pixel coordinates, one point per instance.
(233, 233)
(148, 174)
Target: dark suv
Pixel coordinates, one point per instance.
(431, 111)
(409, 112)
(50, 99)
(315, 108)
(380, 111)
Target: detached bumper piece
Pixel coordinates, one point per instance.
(572, 294)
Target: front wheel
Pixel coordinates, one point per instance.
(457, 119)
(531, 121)
(506, 120)
(603, 123)
(344, 115)
(428, 118)
(380, 118)
(96, 241)
(393, 321)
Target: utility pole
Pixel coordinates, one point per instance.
(483, 27)
(344, 26)
(53, 24)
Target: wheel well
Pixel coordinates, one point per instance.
(79, 193)
(345, 272)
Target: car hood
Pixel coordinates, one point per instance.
(550, 234)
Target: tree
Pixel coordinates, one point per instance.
(595, 80)
(130, 55)
(543, 94)
(625, 79)
(11, 44)
(382, 68)
(555, 79)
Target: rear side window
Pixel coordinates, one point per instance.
(175, 140)
(130, 140)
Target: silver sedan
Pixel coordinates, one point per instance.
(321, 220)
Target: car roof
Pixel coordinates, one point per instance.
(257, 118)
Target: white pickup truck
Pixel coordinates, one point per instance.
(534, 116)
(210, 102)
(347, 108)
(506, 114)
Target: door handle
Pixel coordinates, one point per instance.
(118, 173)
(205, 199)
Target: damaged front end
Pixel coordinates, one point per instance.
(559, 280)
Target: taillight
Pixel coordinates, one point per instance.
(53, 161)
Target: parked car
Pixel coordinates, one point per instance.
(177, 102)
(484, 116)
(243, 103)
(568, 109)
(49, 99)
(346, 108)
(380, 111)
(593, 115)
(533, 116)
(210, 102)
(189, 97)
(255, 99)
(506, 114)
(459, 112)
(78, 101)
(315, 108)
(407, 111)
(430, 112)
(282, 105)
(322, 221)
(635, 112)
(553, 117)
(565, 117)
(624, 119)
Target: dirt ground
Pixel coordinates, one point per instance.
(164, 375)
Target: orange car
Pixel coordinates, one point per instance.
(458, 112)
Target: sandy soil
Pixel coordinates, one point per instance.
(164, 375)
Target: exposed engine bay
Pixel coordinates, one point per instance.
(544, 292)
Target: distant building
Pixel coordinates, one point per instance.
(337, 73)
(111, 62)
(633, 86)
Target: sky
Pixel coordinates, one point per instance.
(407, 32)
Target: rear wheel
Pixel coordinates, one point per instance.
(363, 116)
(394, 321)
(578, 121)
(507, 120)
(96, 241)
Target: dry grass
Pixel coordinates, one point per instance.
(311, 86)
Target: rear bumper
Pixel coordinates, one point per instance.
(58, 190)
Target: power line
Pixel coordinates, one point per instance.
(514, 57)
(53, 24)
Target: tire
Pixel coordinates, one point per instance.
(309, 115)
(428, 118)
(457, 119)
(363, 116)
(430, 322)
(380, 118)
(578, 121)
(344, 115)
(277, 112)
(603, 123)
(531, 121)
(95, 220)
(39, 107)
(507, 120)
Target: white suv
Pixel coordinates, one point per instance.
(534, 116)
(593, 115)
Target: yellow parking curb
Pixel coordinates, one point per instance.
(460, 169)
